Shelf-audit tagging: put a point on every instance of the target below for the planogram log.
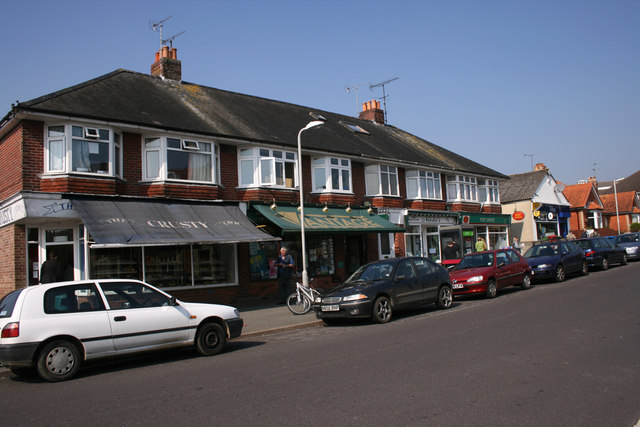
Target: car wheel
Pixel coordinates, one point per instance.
(624, 259)
(560, 274)
(492, 289)
(58, 361)
(210, 339)
(585, 268)
(526, 282)
(604, 265)
(445, 297)
(381, 310)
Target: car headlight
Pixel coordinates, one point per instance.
(318, 300)
(475, 279)
(354, 297)
(544, 265)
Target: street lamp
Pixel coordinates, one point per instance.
(615, 195)
(305, 276)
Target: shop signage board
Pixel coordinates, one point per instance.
(518, 216)
(474, 218)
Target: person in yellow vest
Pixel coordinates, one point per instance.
(481, 245)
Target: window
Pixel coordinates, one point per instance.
(72, 299)
(331, 174)
(179, 159)
(488, 191)
(460, 187)
(354, 128)
(423, 185)
(83, 149)
(266, 167)
(381, 180)
(126, 295)
(594, 219)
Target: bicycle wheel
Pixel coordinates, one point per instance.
(298, 304)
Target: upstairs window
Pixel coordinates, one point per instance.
(266, 167)
(462, 188)
(83, 149)
(381, 180)
(331, 174)
(423, 185)
(488, 191)
(168, 158)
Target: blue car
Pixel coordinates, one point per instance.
(631, 243)
(554, 260)
(601, 252)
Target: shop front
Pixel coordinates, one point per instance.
(551, 221)
(426, 235)
(493, 228)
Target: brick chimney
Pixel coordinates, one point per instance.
(167, 64)
(540, 167)
(371, 111)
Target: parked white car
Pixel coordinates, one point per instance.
(54, 327)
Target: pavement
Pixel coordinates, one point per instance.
(266, 316)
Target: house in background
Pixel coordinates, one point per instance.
(586, 207)
(619, 218)
(538, 207)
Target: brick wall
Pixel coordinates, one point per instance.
(13, 258)
(11, 163)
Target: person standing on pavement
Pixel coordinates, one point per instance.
(451, 250)
(50, 270)
(516, 245)
(285, 266)
(481, 245)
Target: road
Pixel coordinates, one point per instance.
(557, 354)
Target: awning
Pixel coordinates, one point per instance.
(116, 223)
(335, 220)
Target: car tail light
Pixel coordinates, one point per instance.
(589, 253)
(11, 330)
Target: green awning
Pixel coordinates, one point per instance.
(336, 220)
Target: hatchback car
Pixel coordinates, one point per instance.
(631, 243)
(600, 252)
(554, 260)
(489, 271)
(53, 328)
(377, 289)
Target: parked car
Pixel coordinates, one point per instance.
(378, 289)
(52, 328)
(487, 272)
(554, 260)
(600, 252)
(631, 243)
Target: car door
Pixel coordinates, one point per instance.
(406, 284)
(504, 270)
(143, 318)
(519, 266)
(429, 275)
(570, 258)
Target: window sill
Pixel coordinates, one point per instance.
(178, 182)
(336, 192)
(267, 187)
(91, 175)
(376, 196)
(424, 199)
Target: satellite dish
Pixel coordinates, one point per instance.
(559, 187)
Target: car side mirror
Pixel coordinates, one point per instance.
(173, 301)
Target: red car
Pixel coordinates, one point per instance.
(486, 272)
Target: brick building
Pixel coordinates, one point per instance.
(153, 178)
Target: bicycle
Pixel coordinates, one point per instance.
(301, 300)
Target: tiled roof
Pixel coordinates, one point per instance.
(521, 186)
(579, 195)
(627, 202)
(142, 100)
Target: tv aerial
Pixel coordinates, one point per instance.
(384, 95)
(158, 26)
(355, 88)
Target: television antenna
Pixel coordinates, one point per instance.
(170, 39)
(355, 88)
(384, 95)
(530, 156)
(157, 26)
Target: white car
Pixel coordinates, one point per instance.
(55, 327)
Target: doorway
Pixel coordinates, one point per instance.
(59, 246)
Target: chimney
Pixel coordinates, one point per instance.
(540, 167)
(167, 64)
(371, 111)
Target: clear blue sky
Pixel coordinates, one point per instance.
(491, 80)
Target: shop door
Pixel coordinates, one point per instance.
(355, 254)
(59, 249)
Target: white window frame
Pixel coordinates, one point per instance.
(161, 149)
(462, 188)
(491, 190)
(64, 140)
(392, 248)
(253, 160)
(419, 176)
(595, 217)
(376, 172)
(327, 165)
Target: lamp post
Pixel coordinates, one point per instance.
(305, 276)
(615, 195)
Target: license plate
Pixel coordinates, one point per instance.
(458, 286)
(330, 308)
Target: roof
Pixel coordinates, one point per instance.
(137, 99)
(580, 196)
(627, 202)
(521, 186)
(629, 183)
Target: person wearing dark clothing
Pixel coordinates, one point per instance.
(285, 272)
(451, 250)
(50, 270)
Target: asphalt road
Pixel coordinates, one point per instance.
(557, 354)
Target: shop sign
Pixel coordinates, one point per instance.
(518, 216)
(12, 213)
(536, 214)
(467, 233)
(431, 219)
(485, 219)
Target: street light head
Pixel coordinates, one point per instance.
(313, 124)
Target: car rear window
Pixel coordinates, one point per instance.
(8, 302)
(72, 299)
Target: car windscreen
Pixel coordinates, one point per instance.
(377, 271)
(541, 250)
(584, 244)
(476, 260)
(8, 302)
(628, 238)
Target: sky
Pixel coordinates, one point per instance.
(506, 83)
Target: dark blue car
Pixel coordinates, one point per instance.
(601, 252)
(554, 260)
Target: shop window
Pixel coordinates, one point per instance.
(381, 180)
(413, 241)
(266, 167)
(116, 263)
(167, 158)
(262, 256)
(331, 174)
(423, 185)
(462, 188)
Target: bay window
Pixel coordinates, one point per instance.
(83, 149)
(331, 174)
(488, 191)
(266, 167)
(179, 159)
(381, 180)
(462, 188)
(423, 185)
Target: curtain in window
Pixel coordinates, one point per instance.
(80, 155)
(199, 167)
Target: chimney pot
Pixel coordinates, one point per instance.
(364, 106)
(157, 56)
(174, 53)
(165, 51)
